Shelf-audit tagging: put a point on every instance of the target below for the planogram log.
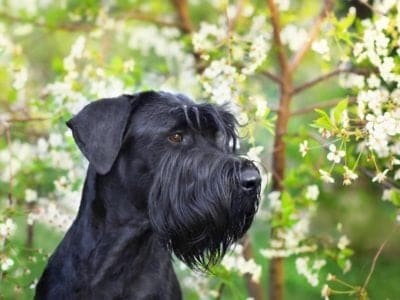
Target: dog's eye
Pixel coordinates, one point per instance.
(176, 138)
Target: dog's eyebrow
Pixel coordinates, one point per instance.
(197, 114)
(185, 111)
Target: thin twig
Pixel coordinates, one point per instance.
(29, 119)
(87, 26)
(387, 183)
(220, 291)
(238, 11)
(314, 31)
(324, 104)
(139, 16)
(10, 167)
(378, 253)
(317, 80)
(271, 76)
(328, 75)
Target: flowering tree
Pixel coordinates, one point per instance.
(261, 58)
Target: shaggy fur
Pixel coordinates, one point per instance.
(148, 195)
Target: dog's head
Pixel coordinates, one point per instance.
(177, 160)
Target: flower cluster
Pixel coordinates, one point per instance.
(234, 261)
(290, 240)
(310, 271)
(371, 120)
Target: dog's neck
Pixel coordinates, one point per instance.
(119, 230)
(110, 251)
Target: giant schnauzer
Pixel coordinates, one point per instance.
(163, 178)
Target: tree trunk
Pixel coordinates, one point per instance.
(276, 270)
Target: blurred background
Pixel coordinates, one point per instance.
(57, 56)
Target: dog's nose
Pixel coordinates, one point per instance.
(250, 179)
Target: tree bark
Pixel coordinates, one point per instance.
(276, 269)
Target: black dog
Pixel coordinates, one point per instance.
(163, 177)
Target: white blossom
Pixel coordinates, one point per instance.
(257, 53)
(330, 277)
(352, 81)
(274, 200)
(334, 154)
(310, 273)
(234, 261)
(55, 139)
(347, 266)
(32, 286)
(30, 195)
(373, 81)
(326, 177)
(343, 242)
(261, 105)
(254, 153)
(283, 5)
(321, 47)
(294, 37)
(397, 175)
(303, 148)
(20, 78)
(207, 36)
(349, 176)
(387, 194)
(220, 81)
(312, 192)
(7, 228)
(325, 292)
(6, 263)
(380, 176)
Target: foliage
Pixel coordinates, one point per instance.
(327, 166)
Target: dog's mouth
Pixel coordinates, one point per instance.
(197, 218)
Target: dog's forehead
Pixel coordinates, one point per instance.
(159, 111)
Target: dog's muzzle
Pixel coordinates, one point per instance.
(250, 179)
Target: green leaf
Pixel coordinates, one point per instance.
(338, 110)
(395, 197)
(324, 121)
(288, 208)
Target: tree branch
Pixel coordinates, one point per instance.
(28, 119)
(272, 77)
(187, 28)
(87, 26)
(182, 9)
(254, 288)
(326, 76)
(317, 80)
(276, 267)
(314, 31)
(140, 16)
(325, 104)
(238, 11)
(276, 26)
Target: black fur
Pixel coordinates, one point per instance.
(146, 197)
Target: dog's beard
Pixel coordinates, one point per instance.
(197, 207)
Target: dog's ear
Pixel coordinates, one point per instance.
(99, 128)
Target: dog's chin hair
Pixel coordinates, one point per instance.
(200, 222)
